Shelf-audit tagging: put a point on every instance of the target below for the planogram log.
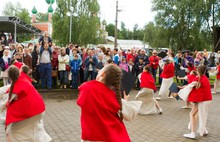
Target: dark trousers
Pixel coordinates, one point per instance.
(45, 74)
(160, 79)
(75, 76)
(63, 77)
(154, 73)
(89, 73)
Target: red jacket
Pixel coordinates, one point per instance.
(154, 61)
(28, 104)
(168, 71)
(190, 69)
(203, 93)
(147, 81)
(99, 114)
(218, 75)
(191, 78)
(130, 56)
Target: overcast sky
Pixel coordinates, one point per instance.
(132, 11)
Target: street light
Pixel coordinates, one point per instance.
(70, 14)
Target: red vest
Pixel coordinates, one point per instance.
(99, 114)
(168, 71)
(28, 104)
(203, 93)
(147, 81)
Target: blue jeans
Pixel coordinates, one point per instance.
(63, 77)
(154, 73)
(87, 74)
(75, 76)
(45, 74)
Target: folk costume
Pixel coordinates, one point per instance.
(99, 114)
(167, 75)
(146, 94)
(25, 113)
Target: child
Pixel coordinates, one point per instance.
(167, 75)
(123, 65)
(200, 97)
(147, 84)
(217, 80)
(190, 78)
(102, 98)
(75, 66)
(24, 123)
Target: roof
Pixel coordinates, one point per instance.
(43, 26)
(7, 24)
(126, 44)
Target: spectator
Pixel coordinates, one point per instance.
(154, 63)
(54, 62)
(139, 69)
(63, 60)
(123, 65)
(143, 56)
(35, 64)
(45, 39)
(45, 65)
(69, 49)
(75, 64)
(131, 55)
(4, 64)
(27, 59)
(116, 56)
(90, 63)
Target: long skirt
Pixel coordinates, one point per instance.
(217, 83)
(164, 88)
(29, 130)
(148, 105)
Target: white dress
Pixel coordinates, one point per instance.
(148, 105)
(29, 130)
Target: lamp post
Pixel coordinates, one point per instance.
(71, 21)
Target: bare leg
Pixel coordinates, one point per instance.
(193, 114)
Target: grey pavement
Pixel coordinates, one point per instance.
(62, 121)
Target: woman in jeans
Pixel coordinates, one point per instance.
(63, 60)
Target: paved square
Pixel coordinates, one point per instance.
(62, 122)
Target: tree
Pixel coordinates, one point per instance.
(110, 28)
(185, 22)
(85, 25)
(16, 9)
(42, 17)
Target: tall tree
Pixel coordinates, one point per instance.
(85, 24)
(185, 22)
(16, 9)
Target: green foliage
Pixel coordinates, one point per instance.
(182, 24)
(85, 25)
(16, 9)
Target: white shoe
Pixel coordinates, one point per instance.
(158, 98)
(190, 136)
(160, 110)
(186, 107)
(213, 92)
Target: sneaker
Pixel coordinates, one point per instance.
(160, 111)
(158, 98)
(190, 136)
(186, 107)
(213, 92)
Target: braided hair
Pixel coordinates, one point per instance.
(113, 80)
(201, 71)
(13, 74)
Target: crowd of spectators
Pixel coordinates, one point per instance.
(53, 66)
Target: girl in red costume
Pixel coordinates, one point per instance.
(25, 110)
(149, 104)
(101, 107)
(167, 75)
(200, 98)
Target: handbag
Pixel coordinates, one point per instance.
(54, 73)
(68, 68)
